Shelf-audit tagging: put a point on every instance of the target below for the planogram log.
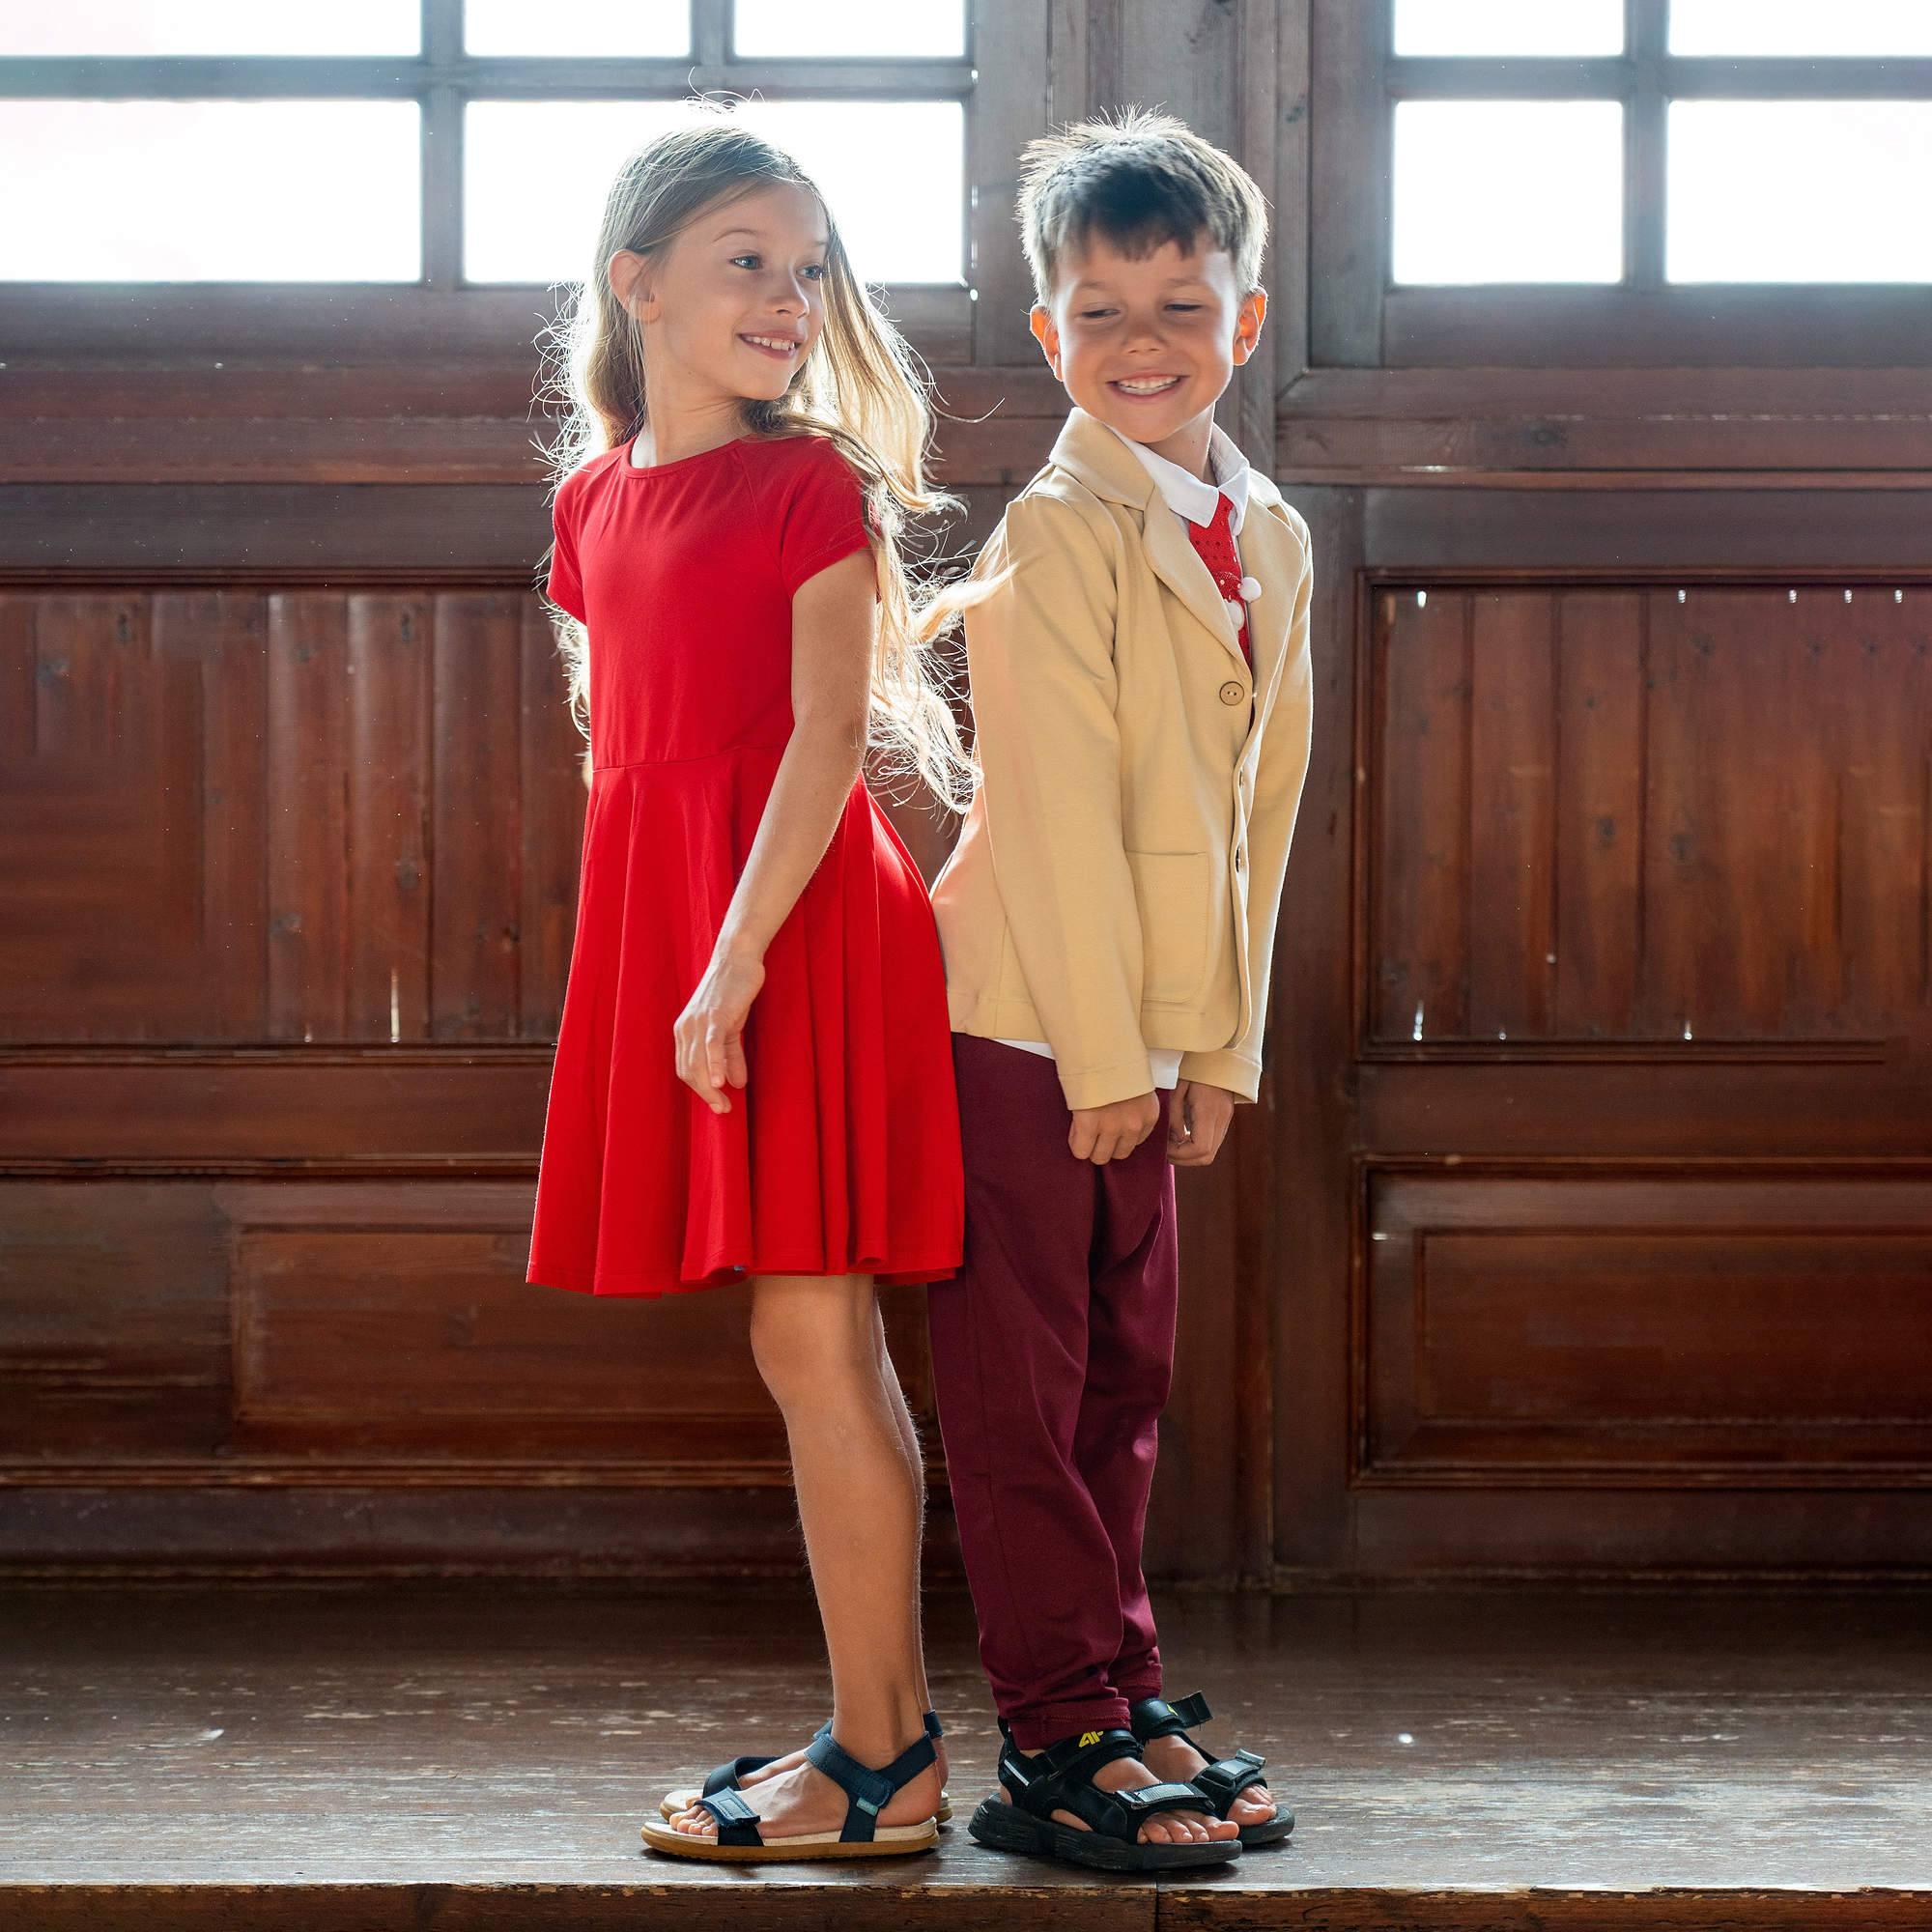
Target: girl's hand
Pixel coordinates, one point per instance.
(710, 1032)
(1198, 1118)
(1101, 1134)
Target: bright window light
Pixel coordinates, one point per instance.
(524, 222)
(1790, 28)
(1799, 191)
(1472, 27)
(639, 29)
(210, 190)
(212, 27)
(851, 29)
(1508, 191)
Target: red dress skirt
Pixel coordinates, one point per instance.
(841, 1157)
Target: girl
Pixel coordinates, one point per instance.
(753, 1076)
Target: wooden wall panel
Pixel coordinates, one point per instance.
(1669, 1328)
(1686, 812)
(130, 823)
(222, 812)
(113, 1323)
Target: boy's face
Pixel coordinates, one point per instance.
(1148, 345)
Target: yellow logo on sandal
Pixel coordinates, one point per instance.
(1089, 1737)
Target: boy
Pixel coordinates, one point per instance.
(1141, 689)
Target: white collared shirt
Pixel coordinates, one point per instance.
(1193, 501)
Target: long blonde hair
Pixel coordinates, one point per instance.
(861, 387)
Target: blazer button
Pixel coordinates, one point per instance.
(1233, 693)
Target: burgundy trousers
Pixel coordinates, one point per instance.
(1052, 1356)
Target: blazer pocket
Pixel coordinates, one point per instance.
(1171, 891)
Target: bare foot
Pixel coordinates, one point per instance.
(802, 1801)
(1164, 1828)
(1178, 1759)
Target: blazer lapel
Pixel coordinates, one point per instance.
(1179, 565)
(1271, 555)
(1101, 461)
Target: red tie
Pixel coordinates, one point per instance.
(1215, 544)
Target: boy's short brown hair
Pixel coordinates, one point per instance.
(1139, 179)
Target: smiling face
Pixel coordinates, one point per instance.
(1148, 344)
(734, 301)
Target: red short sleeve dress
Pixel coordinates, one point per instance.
(843, 1154)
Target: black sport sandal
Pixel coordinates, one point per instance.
(1221, 1780)
(1059, 1778)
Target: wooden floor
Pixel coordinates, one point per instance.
(479, 1756)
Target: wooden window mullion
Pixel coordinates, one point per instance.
(1645, 25)
(442, 145)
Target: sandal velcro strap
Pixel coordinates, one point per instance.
(1154, 1718)
(1226, 1779)
(737, 1822)
(1061, 1778)
(1192, 1709)
(867, 1791)
(728, 1776)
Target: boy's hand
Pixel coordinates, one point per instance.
(1101, 1134)
(1198, 1118)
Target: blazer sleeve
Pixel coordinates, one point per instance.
(1039, 652)
(1281, 772)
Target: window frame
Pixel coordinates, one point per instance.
(440, 314)
(1359, 317)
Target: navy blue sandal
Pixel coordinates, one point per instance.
(1061, 1778)
(867, 1792)
(729, 1776)
(1221, 1780)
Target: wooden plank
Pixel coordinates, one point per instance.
(308, 818)
(1513, 783)
(476, 941)
(1600, 836)
(1419, 845)
(1885, 812)
(388, 781)
(222, 635)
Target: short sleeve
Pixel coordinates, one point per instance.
(822, 516)
(565, 589)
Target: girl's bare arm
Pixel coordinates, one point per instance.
(832, 619)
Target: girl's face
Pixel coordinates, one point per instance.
(736, 299)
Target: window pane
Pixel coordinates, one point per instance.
(524, 223)
(637, 28)
(210, 190)
(535, 174)
(1470, 27)
(853, 27)
(903, 223)
(1799, 191)
(212, 27)
(1508, 191)
(1780, 27)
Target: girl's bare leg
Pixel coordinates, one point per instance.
(820, 1348)
(908, 1434)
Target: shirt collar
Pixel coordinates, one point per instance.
(1186, 495)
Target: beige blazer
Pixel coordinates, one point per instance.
(1116, 884)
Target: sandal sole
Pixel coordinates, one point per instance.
(893, 1842)
(1276, 1831)
(1002, 1827)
